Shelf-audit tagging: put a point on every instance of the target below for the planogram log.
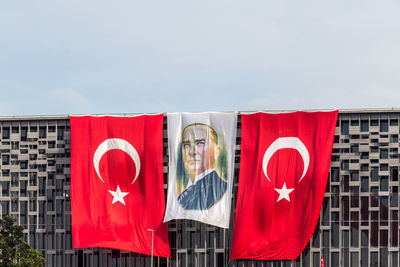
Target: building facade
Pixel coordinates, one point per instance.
(358, 225)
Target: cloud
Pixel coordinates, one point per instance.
(198, 56)
(70, 101)
(5, 109)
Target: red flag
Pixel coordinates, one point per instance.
(283, 174)
(117, 190)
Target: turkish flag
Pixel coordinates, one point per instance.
(117, 189)
(284, 169)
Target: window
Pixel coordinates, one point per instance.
(60, 133)
(23, 188)
(364, 126)
(345, 165)
(5, 188)
(32, 178)
(384, 186)
(5, 207)
(60, 168)
(384, 154)
(345, 127)
(24, 133)
(384, 127)
(374, 174)
(51, 144)
(6, 132)
(42, 186)
(354, 148)
(334, 174)
(364, 167)
(50, 179)
(24, 164)
(364, 184)
(355, 122)
(354, 176)
(42, 132)
(5, 159)
(394, 174)
(15, 145)
(32, 205)
(374, 122)
(14, 205)
(14, 179)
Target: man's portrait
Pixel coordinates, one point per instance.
(201, 173)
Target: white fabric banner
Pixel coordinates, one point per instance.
(201, 150)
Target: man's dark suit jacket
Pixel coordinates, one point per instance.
(204, 193)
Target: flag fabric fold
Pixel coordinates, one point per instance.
(284, 168)
(117, 191)
(201, 157)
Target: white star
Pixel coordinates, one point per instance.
(118, 195)
(284, 192)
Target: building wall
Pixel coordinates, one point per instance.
(358, 226)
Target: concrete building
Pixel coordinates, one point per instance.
(358, 225)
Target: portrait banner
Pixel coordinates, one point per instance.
(284, 166)
(117, 190)
(201, 150)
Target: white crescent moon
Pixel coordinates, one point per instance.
(116, 143)
(287, 142)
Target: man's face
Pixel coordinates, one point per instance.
(198, 149)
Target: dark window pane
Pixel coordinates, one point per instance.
(354, 259)
(374, 174)
(354, 234)
(394, 196)
(364, 257)
(335, 258)
(384, 126)
(325, 211)
(364, 238)
(384, 211)
(364, 210)
(364, 184)
(345, 165)
(335, 174)
(316, 259)
(345, 238)
(394, 258)
(364, 126)
(374, 259)
(384, 154)
(335, 234)
(345, 127)
(374, 234)
(384, 186)
(6, 132)
(394, 174)
(384, 257)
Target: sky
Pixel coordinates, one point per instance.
(106, 57)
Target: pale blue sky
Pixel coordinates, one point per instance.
(75, 57)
